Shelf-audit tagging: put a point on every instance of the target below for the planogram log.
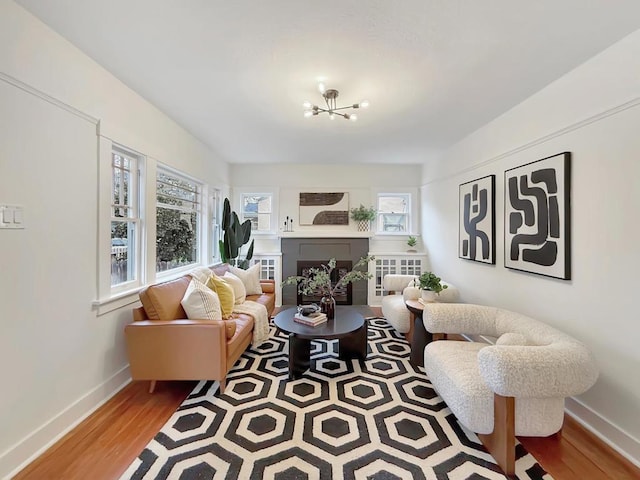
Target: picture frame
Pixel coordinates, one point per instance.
(324, 208)
(537, 217)
(477, 220)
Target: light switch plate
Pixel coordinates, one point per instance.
(12, 217)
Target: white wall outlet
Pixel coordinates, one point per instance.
(12, 216)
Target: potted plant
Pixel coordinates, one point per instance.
(318, 281)
(235, 235)
(364, 216)
(430, 285)
(411, 242)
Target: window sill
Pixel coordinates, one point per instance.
(395, 235)
(117, 301)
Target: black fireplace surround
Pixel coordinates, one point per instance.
(315, 251)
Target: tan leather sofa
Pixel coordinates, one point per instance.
(163, 344)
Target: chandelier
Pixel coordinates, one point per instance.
(330, 96)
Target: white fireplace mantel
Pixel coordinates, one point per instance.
(325, 234)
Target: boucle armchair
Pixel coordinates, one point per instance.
(515, 387)
(399, 288)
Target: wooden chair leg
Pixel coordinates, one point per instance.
(501, 443)
(412, 320)
(152, 386)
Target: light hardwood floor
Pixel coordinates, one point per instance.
(105, 444)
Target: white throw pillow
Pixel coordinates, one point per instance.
(250, 278)
(201, 274)
(200, 302)
(239, 291)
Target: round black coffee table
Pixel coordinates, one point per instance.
(348, 326)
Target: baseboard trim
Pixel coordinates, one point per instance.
(33, 445)
(611, 434)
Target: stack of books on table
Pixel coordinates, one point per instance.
(313, 319)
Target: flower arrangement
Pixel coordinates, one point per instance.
(430, 281)
(318, 280)
(363, 213)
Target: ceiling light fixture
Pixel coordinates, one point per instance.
(330, 96)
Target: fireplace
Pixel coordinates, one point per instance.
(320, 251)
(344, 294)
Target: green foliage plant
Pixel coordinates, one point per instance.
(430, 281)
(235, 235)
(318, 279)
(411, 241)
(363, 213)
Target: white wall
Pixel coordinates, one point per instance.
(59, 359)
(593, 112)
(361, 182)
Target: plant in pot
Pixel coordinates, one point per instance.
(411, 242)
(235, 235)
(318, 281)
(431, 286)
(364, 216)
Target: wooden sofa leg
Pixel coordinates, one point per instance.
(223, 384)
(501, 443)
(152, 386)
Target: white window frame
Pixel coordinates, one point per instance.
(215, 226)
(109, 298)
(412, 214)
(249, 192)
(134, 215)
(200, 222)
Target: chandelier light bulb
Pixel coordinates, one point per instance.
(307, 113)
(353, 117)
(307, 104)
(332, 116)
(321, 87)
(364, 104)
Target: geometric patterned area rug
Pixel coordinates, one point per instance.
(377, 419)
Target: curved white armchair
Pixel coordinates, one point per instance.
(515, 387)
(400, 288)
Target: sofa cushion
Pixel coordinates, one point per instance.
(250, 278)
(202, 274)
(162, 301)
(230, 328)
(269, 301)
(239, 291)
(225, 294)
(200, 302)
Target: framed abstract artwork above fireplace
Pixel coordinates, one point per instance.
(324, 208)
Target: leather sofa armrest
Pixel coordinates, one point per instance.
(268, 286)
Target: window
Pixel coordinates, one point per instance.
(216, 227)
(177, 220)
(257, 207)
(125, 219)
(394, 212)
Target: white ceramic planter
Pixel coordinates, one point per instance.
(429, 296)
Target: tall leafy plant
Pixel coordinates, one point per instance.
(235, 235)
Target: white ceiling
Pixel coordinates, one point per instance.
(235, 72)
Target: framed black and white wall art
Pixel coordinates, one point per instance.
(537, 234)
(477, 227)
(324, 209)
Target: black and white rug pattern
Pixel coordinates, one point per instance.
(379, 419)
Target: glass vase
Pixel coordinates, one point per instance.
(328, 306)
